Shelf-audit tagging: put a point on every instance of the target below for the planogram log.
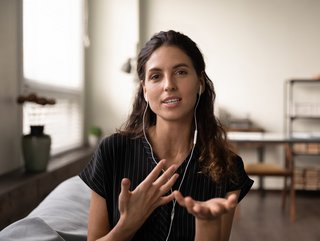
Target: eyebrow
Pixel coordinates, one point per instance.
(174, 67)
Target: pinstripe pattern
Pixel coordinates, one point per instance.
(119, 156)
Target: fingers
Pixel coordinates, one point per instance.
(232, 201)
(166, 199)
(216, 209)
(168, 184)
(210, 209)
(186, 202)
(180, 199)
(153, 189)
(190, 205)
(125, 186)
(161, 182)
(124, 194)
(154, 174)
(166, 177)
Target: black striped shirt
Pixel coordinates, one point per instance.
(119, 157)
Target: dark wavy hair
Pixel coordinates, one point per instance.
(216, 157)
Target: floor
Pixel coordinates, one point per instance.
(261, 218)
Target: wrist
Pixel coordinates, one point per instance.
(208, 229)
(123, 231)
(207, 222)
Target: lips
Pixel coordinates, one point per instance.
(171, 100)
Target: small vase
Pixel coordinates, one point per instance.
(93, 140)
(36, 149)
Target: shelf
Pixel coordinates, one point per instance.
(307, 149)
(302, 114)
(307, 178)
(292, 81)
(310, 117)
(305, 154)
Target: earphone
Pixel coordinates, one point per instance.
(200, 90)
(191, 155)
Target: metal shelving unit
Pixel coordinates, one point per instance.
(295, 110)
(304, 114)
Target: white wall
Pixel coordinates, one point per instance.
(114, 35)
(251, 48)
(10, 127)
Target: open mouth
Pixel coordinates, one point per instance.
(171, 101)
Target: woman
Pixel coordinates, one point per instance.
(169, 173)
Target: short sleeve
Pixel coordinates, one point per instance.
(95, 173)
(243, 182)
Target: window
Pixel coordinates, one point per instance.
(53, 66)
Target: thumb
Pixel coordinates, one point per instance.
(232, 201)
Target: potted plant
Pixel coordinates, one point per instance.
(94, 135)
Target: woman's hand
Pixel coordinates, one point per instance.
(137, 205)
(213, 217)
(207, 210)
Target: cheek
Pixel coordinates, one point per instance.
(192, 91)
(192, 95)
(153, 91)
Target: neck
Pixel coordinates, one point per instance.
(172, 144)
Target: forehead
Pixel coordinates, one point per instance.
(167, 57)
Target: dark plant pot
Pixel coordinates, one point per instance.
(36, 149)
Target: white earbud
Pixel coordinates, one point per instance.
(200, 90)
(146, 97)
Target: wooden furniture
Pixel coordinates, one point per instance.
(262, 168)
(259, 149)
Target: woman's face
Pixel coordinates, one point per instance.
(171, 84)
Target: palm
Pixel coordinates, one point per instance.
(207, 210)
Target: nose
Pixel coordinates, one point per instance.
(169, 83)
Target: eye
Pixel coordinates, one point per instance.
(154, 77)
(181, 72)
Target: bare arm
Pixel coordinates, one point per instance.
(227, 219)
(213, 217)
(98, 223)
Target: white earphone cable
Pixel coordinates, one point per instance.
(191, 155)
